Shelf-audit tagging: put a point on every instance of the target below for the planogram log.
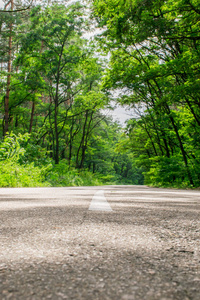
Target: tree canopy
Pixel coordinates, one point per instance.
(154, 48)
(55, 86)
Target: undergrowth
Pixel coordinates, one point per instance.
(16, 169)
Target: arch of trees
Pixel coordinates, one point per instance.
(55, 88)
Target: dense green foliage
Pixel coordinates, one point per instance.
(54, 89)
(155, 59)
(25, 164)
(16, 174)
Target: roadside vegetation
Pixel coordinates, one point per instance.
(56, 85)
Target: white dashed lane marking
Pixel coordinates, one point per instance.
(99, 202)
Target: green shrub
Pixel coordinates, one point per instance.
(63, 175)
(167, 172)
(14, 174)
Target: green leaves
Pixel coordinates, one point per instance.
(10, 147)
(12, 172)
(154, 48)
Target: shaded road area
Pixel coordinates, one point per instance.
(111, 242)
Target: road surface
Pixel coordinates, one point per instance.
(110, 242)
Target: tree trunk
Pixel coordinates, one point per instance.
(152, 143)
(32, 115)
(6, 124)
(56, 98)
(180, 144)
(82, 143)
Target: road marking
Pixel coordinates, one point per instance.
(99, 202)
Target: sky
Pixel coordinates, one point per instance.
(121, 114)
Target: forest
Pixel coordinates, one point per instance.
(62, 66)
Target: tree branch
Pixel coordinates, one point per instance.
(16, 10)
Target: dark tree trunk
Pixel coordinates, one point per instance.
(6, 123)
(32, 115)
(180, 144)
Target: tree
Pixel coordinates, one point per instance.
(58, 30)
(154, 57)
(12, 10)
(60, 74)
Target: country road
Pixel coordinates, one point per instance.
(99, 243)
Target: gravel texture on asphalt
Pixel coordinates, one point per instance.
(53, 247)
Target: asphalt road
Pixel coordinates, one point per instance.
(111, 242)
